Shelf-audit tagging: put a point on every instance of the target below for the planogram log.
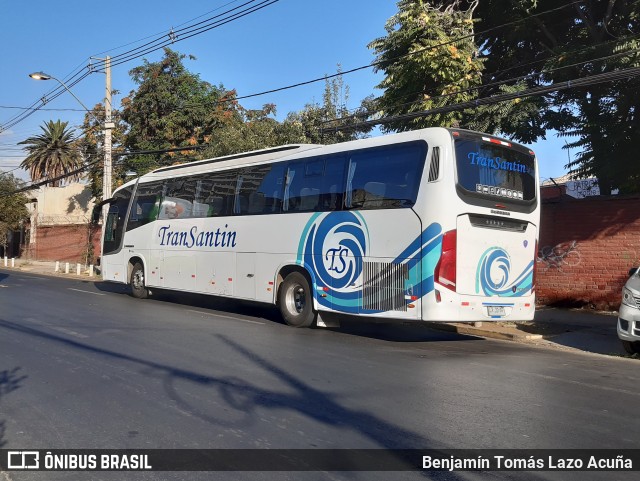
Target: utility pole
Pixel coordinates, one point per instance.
(108, 126)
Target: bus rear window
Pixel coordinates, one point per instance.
(495, 172)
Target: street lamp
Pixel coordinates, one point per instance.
(108, 124)
(46, 76)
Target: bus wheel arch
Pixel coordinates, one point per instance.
(137, 278)
(295, 296)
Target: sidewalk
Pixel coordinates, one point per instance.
(580, 329)
(49, 268)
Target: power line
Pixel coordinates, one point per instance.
(185, 33)
(576, 83)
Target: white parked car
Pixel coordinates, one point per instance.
(629, 314)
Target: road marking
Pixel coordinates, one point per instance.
(560, 379)
(224, 317)
(87, 292)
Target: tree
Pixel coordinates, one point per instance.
(575, 42)
(52, 154)
(13, 211)
(429, 59)
(252, 130)
(91, 145)
(316, 123)
(172, 107)
(519, 45)
(258, 129)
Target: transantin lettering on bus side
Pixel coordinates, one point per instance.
(194, 238)
(496, 163)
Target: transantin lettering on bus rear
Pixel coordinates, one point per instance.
(495, 163)
(193, 237)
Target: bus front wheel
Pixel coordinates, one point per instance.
(296, 301)
(138, 288)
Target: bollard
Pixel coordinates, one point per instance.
(57, 266)
(90, 270)
(13, 262)
(77, 269)
(5, 261)
(66, 268)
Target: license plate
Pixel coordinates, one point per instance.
(495, 311)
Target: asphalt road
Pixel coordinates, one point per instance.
(83, 365)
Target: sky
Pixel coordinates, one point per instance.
(284, 43)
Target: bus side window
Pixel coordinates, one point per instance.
(385, 177)
(145, 205)
(217, 191)
(315, 184)
(260, 191)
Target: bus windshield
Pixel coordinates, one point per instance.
(495, 172)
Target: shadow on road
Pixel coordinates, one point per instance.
(380, 329)
(10, 380)
(238, 394)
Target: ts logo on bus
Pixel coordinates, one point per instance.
(334, 246)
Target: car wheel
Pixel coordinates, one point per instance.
(296, 302)
(138, 288)
(631, 347)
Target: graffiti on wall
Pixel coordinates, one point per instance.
(562, 255)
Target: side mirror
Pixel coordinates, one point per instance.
(95, 214)
(633, 270)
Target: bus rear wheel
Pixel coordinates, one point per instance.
(296, 301)
(138, 288)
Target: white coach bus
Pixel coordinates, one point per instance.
(436, 224)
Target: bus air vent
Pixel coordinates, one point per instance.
(434, 169)
(383, 288)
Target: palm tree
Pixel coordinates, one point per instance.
(52, 154)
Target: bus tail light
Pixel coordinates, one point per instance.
(535, 269)
(445, 273)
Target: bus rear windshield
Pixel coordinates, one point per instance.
(494, 172)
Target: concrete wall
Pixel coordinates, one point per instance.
(605, 235)
(59, 229)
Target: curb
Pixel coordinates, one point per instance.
(503, 334)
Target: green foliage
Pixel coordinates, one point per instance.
(12, 206)
(172, 107)
(579, 41)
(313, 124)
(52, 153)
(429, 59)
(91, 145)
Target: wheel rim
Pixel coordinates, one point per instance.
(138, 280)
(296, 299)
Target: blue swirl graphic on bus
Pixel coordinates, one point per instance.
(493, 276)
(335, 247)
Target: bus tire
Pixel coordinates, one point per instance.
(138, 288)
(296, 301)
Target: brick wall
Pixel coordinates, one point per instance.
(66, 243)
(606, 232)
